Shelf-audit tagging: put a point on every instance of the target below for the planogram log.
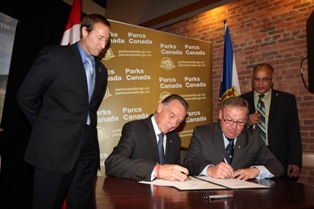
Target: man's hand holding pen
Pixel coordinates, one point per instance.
(221, 170)
(171, 172)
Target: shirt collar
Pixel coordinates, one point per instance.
(267, 94)
(226, 141)
(156, 129)
(83, 53)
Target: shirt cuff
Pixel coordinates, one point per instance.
(204, 171)
(152, 176)
(263, 172)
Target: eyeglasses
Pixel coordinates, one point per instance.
(264, 80)
(231, 122)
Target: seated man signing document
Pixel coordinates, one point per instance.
(248, 157)
(137, 155)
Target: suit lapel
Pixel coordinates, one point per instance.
(238, 148)
(274, 105)
(101, 79)
(151, 137)
(169, 148)
(219, 141)
(250, 100)
(76, 63)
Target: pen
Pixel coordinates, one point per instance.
(189, 178)
(228, 163)
(220, 196)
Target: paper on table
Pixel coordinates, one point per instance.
(233, 183)
(192, 184)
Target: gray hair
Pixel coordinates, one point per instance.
(237, 102)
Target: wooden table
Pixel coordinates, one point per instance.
(119, 193)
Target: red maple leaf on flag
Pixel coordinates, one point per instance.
(72, 29)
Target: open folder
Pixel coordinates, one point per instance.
(206, 183)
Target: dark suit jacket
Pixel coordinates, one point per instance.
(284, 138)
(207, 147)
(136, 154)
(54, 98)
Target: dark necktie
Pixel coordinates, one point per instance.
(90, 78)
(161, 148)
(261, 110)
(229, 151)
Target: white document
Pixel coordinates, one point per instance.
(233, 183)
(191, 184)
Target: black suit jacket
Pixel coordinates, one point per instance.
(284, 138)
(207, 147)
(136, 154)
(54, 98)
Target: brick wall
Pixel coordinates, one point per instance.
(261, 31)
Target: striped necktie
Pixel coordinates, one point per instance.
(262, 124)
(161, 148)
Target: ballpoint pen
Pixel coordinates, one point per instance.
(228, 163)
(189, 178)
(220, 196)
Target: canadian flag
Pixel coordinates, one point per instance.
(72, 29)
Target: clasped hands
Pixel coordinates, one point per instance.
(224, 170)
(171, 172)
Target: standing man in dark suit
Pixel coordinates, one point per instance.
(136, 156)
(61, 108)
(282, 122)
(248, 156)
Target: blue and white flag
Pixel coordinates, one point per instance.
(229, 86)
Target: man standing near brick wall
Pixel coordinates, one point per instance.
(275, 114)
